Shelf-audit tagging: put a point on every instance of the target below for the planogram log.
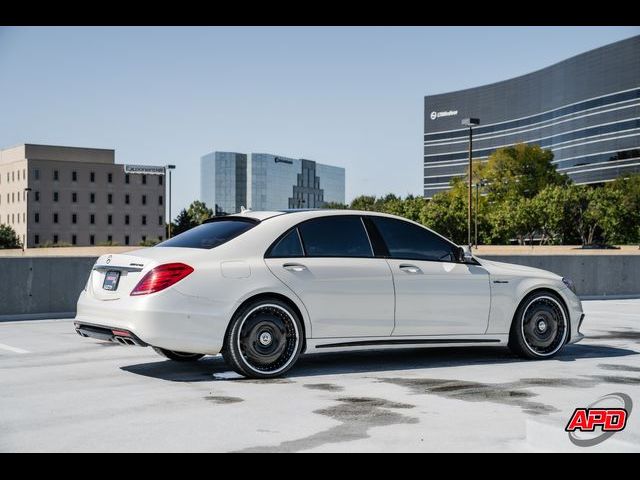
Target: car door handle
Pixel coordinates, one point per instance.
(405, 267)
(294, 267)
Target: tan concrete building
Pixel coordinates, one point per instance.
(78, 196)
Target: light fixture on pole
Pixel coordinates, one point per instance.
(470, 122)
(169, 167)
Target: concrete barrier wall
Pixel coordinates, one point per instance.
(594, 275)
(49, 286)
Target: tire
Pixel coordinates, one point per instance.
(540, 327)
(264, 339)
(179, 356)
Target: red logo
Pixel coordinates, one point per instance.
(587, 419)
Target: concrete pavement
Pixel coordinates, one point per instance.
(61, 392)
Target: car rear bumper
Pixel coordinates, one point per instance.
(168, 320)
(124, 337)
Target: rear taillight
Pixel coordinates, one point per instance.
(161, 277)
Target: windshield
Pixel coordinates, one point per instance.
(210, 235)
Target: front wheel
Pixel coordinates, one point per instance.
(540, 326)
(178, 356)
(264, 339)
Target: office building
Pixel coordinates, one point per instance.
(586, 109)
(79, 196)
(265, 181)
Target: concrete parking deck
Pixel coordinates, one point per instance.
(61, 392)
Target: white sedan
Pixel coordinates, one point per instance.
(263, 287)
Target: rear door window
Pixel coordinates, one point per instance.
(335, 236)
(210, 235)
(287, 246)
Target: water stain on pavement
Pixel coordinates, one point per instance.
(327, 387)
(511, 393)
(617, 335)
(617, 379)
(623, 368)
(221, 400)
(356, 416)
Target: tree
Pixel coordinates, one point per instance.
(9, 238)
(182, 223)
(519, 171)
(446, 213)
(364, 202)
(627, 229)
(197, 213)
(335, 205)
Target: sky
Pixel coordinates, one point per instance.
(346, 96)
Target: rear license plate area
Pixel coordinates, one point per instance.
(111, 280)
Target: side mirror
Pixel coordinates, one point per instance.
(465, 255)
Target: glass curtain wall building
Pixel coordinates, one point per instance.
(586, 109)
(268, 182)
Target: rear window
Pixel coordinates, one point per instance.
(209, 235)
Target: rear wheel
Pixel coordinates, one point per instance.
(264, 339)
(540, 326)
(179, 356)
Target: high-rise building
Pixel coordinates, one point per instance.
(586, 109)
(79, 196)
(265, 181)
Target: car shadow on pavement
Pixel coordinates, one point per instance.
(369, 361)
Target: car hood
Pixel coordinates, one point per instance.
(511, 269)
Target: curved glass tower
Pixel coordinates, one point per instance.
(586, 109)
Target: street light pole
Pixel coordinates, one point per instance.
(470, 122)
(170, 167)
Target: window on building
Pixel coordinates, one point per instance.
(144, 179)
(110, 177)
(24, 217)
(109, 219)
(144, 238)
(160, 238)
(92, 219)
(126, 219)
(160, 199)
(36, 239)
(92, 239)
(18, 219)
(36, 217)
(55, 238)
(13, 198)
(335, 237)
(13, 176)
(56, 175)
(55, 218)
(110, 198)
(74, 197)
(55, 196)
(37, 196)
(92, 177)
(36, 174)
(144, 199)
(144, 219)
(74, 218)
(126, 178)
(18, 175)
(126, 239)
(109, 238)
(24, 173)
(127, 199)
(160, 220)
(74, 239)
(92, 198)
(160, 179)
(74, 176)
(13, 220)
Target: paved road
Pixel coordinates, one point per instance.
(60, 392)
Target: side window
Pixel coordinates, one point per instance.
(287, 246)
(411, 242)
(335, 237)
